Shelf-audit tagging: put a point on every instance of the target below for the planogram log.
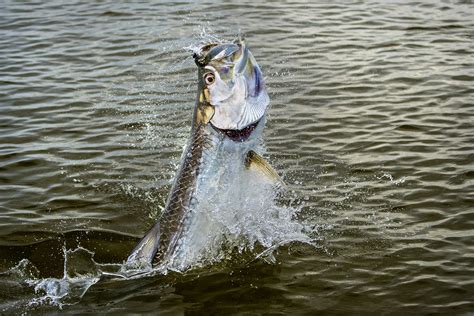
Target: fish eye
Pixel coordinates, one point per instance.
(209, 78)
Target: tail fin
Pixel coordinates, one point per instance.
(146, 249)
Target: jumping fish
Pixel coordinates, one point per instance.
(228, 120)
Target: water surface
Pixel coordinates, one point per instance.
(371, 125)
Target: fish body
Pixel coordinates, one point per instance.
(228, 121)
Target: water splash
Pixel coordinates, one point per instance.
(206, 36)
(392, 180)
(238, 211)
(244, 214)
(80, 272)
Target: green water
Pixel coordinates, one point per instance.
(371, 124)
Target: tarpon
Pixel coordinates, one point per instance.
(228, 120)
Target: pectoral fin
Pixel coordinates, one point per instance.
(254, 161)
(146, 249)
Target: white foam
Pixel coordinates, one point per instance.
(72, 286)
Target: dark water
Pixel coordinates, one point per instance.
(371, 124)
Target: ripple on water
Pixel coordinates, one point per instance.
(371, 126)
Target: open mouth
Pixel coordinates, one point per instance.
(238, 135)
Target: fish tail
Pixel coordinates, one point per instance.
(146, 249)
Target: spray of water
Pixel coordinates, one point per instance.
(239, 212)
(242, 212)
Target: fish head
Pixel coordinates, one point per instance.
(231, 82)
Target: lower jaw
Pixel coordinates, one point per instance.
(239, 135)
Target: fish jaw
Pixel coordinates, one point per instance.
(241, 135)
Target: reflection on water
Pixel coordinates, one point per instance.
(371, 124)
